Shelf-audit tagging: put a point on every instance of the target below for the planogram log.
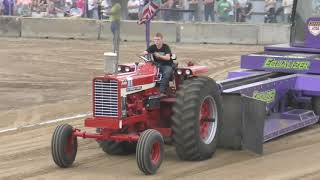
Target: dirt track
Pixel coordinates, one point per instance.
(41, 80)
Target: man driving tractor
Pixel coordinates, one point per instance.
(162, 55)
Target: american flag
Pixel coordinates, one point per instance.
(148, 12)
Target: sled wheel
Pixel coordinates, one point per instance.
(316, 105)
(64, 146)
(195, 122)
(149, 153)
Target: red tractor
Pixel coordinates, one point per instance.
(129, 115)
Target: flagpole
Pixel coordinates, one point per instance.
(148, 23)
(148, 32)
(149, 11)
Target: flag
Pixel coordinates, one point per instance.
(148, 12)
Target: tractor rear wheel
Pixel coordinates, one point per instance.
(150, 151)
(64, 146)
(316, 105)
(117, 148)
(196, 119)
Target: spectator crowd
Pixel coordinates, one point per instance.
(175, 10)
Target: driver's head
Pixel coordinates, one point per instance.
(158, 40)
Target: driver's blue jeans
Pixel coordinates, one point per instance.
(166, 71)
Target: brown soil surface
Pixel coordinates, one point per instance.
(42, 80)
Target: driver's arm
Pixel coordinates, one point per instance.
(164, 57)
(144, 53)
(149, 50)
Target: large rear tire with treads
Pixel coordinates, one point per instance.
(196, 119)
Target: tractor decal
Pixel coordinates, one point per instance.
(314, 27)
(134, 89)
(266, 96)
(129, 81)
(273, 63)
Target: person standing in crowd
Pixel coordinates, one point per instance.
(42, 5)
(59, 5)
(51, 10)
(81, 5)
(54, 7)
(240, 6)
(141, 6)
(167, 14)
(23, 7)
(248, 10)
(115, 16)
(287, 9)
(93, 9)
(1, 7)
(171, 14)
(75, 11)
(71, 9)
(67, 6)
(224, 7)
(8, 7)
(231, 12)
(209, 10)
(158, 15)
(105, 9)
(270, 9)
(175, 15)
(133, 9)
(316, 6)
(193, 5)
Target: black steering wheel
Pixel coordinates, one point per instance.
(147, 58)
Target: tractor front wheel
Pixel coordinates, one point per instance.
(150, 151)
(64, 146)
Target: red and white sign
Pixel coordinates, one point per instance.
(314, 27)
(148, 12)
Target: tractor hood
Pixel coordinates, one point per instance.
(141, 79)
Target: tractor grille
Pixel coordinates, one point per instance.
(106, 98)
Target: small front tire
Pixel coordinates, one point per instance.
(150, 151)
(64, 146)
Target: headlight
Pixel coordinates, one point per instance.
(179, 72)
(119, 68)
(127, 69)
(188, 72)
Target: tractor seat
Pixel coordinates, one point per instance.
(175, 64)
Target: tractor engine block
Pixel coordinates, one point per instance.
(135, 103)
